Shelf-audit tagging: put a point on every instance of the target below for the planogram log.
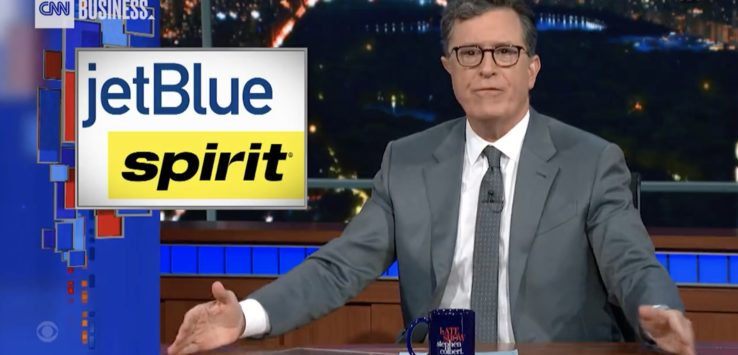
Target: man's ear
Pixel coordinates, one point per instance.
(446, 64)
(534, 67)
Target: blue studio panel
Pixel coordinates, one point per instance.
(211, 260)
(713, 269)
(289, 257)
(663, 260)
(85, 34)
(78, 239)
(112, 33)
(140, 27)
(133, 213)
(64, 236)
(121, 273)
(165, 262)
(126, 298)
(392, 271)
(48, 239)
(683, 268)
(67, 155)
(145, 33)
(238, 260)
(58, 172)
(265, 260)
(32, 277)
(184, 259)
(77, 258)
(733, 269)
(53, 39)
(61, 211)
(48, 125)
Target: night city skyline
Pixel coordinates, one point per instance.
(659, 78)
(268, 22)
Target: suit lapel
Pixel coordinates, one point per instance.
(534, 179)
(443, 189)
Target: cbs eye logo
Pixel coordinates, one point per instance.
(47, 331)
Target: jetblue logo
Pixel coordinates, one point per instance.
(116, 93)
(54, 13)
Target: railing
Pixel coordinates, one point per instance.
(690, 186)
(646, 186)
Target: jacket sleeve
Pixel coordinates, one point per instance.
(621, 245)
(331, 276)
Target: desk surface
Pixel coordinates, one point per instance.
(523, 349)
(318, 233)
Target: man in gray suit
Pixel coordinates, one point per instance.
(524, 219)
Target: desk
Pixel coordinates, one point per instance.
(523, 349)
(374, 316)
(222, 232)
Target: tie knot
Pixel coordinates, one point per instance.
(493, 156)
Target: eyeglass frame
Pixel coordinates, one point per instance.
(492, 51)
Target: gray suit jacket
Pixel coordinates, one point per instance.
(577, 244)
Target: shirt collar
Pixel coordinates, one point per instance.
(510, 144)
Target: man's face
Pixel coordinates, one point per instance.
(488, 91)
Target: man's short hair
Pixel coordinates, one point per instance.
(465, 9)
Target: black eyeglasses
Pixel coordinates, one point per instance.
(504, 56)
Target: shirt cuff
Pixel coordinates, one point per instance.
(257, 320)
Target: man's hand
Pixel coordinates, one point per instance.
(210, 325)
(669, 328)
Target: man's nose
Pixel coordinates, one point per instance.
(487, 66)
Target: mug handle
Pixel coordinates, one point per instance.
(409, 333)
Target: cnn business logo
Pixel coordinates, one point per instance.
(54, 13)
(61, 14)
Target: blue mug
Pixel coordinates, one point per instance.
(450, 332)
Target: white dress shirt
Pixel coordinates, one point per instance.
(257, 320)
(458, 289)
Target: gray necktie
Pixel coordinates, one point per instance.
(486, 249)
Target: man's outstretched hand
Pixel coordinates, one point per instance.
(210, 325)
(669, 328)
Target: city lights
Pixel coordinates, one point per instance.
(671, 59)
(638, 106)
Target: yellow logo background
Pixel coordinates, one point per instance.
(292, 185)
